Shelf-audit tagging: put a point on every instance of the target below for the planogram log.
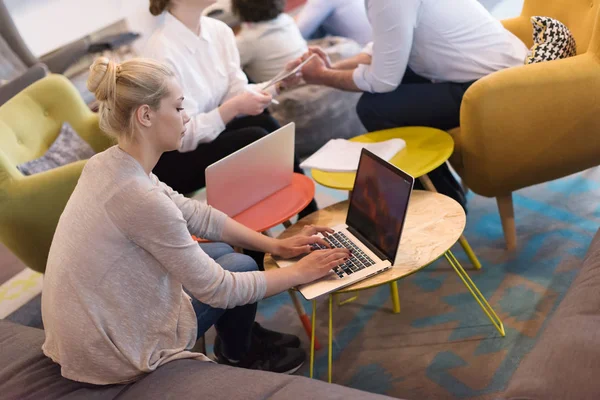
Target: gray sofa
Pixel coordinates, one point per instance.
(25, 373)
(565, 363)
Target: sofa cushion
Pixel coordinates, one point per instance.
(552, 41)
(67, 148)
(565, 363)
(25, 373)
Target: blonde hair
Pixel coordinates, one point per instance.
(122, 88)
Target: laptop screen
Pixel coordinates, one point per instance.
(379, 202)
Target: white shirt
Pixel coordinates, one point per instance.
(208, 68)
(266, 47)
(441, 40)
(345, 18)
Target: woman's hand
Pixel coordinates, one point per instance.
(251, 102)
(321, 53)
(317, 264)
(302, 242)
(313, 71)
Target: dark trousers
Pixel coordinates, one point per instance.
(233, 325)
(418, 102)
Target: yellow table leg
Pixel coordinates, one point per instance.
(470, 253)
(463, 240)
(483, 303)
(395, 297)
(312, 338)
(341, 302)
(330, 355)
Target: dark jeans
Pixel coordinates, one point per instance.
(418, 102)
(234, 325)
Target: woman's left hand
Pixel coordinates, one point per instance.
(301, 243)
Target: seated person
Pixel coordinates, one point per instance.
(345, 18)
(225, 114)
(424, 56)
(268, 39)
(114, 307)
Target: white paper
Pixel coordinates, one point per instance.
(340, 155)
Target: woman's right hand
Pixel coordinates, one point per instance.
(318, 263)
(251, 103)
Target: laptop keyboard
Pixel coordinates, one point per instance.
(358, 261)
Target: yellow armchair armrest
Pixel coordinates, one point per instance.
(30, 207)
(530, 124)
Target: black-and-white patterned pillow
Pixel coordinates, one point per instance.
(67, 148)
(552, 41)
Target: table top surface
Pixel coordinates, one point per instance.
(433, 224)
(426, 149)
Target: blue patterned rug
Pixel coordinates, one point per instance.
(441, 345)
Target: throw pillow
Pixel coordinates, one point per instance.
(552, 41)
(67, 148)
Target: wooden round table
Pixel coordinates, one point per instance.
(426, 149)
(434, 223)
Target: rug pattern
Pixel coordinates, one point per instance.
(441, 345)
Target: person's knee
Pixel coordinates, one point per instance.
(216, 249)
(236, 262)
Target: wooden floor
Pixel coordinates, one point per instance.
(9, 264)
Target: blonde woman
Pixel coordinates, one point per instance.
(113, 304)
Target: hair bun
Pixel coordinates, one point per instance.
(102, 79)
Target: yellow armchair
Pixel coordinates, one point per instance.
(534, 123)
(30, 206)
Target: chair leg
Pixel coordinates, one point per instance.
(507, 216)
(303, 317)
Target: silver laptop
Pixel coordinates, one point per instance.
(373, 226)
(251, 174)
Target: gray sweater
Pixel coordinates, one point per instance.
(112, 304)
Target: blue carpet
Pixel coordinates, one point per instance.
(441, 345)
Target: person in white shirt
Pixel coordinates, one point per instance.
(345, 18)
(424, 56)
(268, 39)
(226, 113)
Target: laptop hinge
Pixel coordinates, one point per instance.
(364, 241)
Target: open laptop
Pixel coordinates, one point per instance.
(251, 174)
(373, 226)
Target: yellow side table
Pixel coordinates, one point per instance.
(433, 224)
(426, 149)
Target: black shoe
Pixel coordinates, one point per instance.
(277, 339)
(265, 357)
